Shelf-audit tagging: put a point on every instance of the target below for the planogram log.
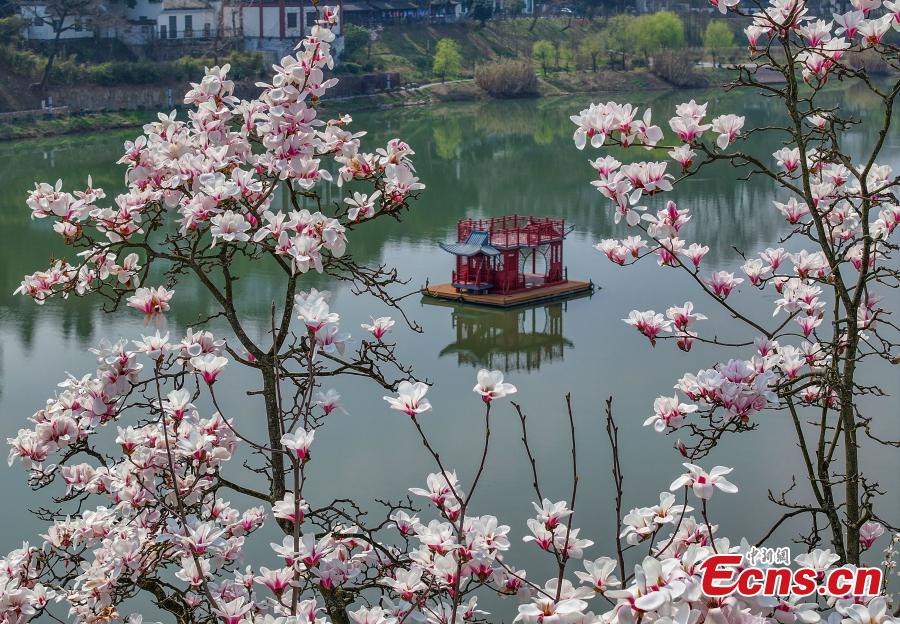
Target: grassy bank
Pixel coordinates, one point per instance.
(72, 124)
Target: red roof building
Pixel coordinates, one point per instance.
(508, 254)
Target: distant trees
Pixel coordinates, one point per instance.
(357, 46)
(627, 36)
(718, 38)
(592, 46)
(447, 59)
(543, 52)
(356, 40)
(659, 31)
(617, 37)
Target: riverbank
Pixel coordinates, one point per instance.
(552, 85)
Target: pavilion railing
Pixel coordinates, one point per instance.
(526, 230)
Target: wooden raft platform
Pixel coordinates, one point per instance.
(522, 297)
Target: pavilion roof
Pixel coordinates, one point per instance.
(478, 242)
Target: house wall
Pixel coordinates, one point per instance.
(144, 9)
(41, 31)
(199, 20)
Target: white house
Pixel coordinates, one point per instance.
(271, 19)
(188, 19)
(38, 23)
(141, 21)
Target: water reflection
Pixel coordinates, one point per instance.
(515, 340)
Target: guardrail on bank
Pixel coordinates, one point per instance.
(38, 113)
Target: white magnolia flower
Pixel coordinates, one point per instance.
(491, 385)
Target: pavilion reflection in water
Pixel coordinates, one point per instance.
(508, 339)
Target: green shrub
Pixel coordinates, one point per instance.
(678, 70)
(507, 79)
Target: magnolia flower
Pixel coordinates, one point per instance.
(819, 560)
(405, 523)
(286, 508)
(869, 532)
(683, 155)
(723, 282)
(684, 316)
(299, 442)
(233, 612)
(728, 127)
(229, 226)
(702, 483)
(724, 5)
(371, 615)
(599, 574)
(793, 210)
(380, 326)
(547, 611)
(788, 158)
(849, 23)
(329, 401)
(695, 252)
(613, 250)
(668, 412)
(873, 31)
(754, 270)
(410, 398)
(209, 366)
(875, 612)
(649, 323)
(491, 385)
(153, 302)
(405, 582)
(154, 346)
(549, 513)
(312, 309)
(634, 244)
(362, 206)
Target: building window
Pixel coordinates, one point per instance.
(292, 20)
(188, 25)
(173, 27)
(207, 30)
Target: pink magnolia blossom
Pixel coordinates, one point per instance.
(869, 533)
(153, 302)
(209, 366)
(649, 323)
(668, 412)
(723, 282)
(695, 252)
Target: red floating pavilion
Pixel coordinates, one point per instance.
(508, 260)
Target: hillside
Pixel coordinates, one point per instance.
(409, 50)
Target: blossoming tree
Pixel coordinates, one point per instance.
(830, 275)
(145, 509)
